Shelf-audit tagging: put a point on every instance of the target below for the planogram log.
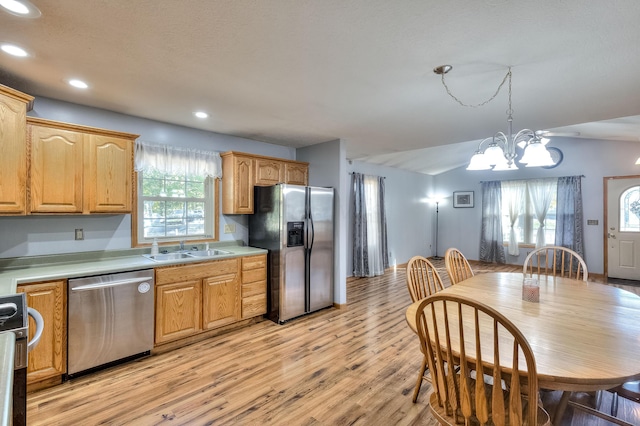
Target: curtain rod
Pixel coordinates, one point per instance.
(505, 180)
(383, 177)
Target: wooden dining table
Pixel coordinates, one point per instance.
(585, 336)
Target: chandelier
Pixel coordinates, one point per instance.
(499, 151)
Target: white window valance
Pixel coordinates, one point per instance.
(177, 160)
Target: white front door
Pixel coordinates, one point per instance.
(623, 228)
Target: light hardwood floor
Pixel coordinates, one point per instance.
(336, 367)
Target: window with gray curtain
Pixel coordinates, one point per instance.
(502, 200)
(370, 254)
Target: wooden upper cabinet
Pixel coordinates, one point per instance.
(297, 173)
(108, 174)
(56, 170)
(79, 169)
(242, 171)
(13, 150)
(269, 172)
(237, 184)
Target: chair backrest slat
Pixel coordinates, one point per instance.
(458, 267)
(422, 278)
(445, 322)
(555, 261)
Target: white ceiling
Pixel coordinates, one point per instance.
(300, 72)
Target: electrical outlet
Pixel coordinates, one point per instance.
(79, 234)
(229, 228)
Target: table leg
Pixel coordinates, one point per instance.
(562, 405)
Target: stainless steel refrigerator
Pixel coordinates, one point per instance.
(295, 223)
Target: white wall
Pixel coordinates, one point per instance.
(594, 159)
(409, 217)
(327, 167)
(40, 235)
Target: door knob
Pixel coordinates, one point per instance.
(610, 235)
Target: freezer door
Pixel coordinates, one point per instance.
(320, 248)
(292, 275)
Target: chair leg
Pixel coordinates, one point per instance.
(423, 368)
(614, 405)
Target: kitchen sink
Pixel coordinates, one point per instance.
(207, 253)
(166, 256)
(177, 255)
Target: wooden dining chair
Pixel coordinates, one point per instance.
(458, 331)
(422, 280)
(458, 267)
(555, 261)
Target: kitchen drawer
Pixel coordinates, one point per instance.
(252, 289)
(173, 274)
(254, 262)
(254, 306)
(254, 275)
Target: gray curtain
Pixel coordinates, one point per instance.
(370, 257)
(491, 241)
(569, 218)
(360, 252)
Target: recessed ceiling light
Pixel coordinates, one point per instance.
(201, 114)
(14, 50)
(22, 8)
(78, 83)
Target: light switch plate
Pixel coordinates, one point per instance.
(79, 234)
(592, 222)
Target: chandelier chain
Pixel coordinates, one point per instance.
(507, 76)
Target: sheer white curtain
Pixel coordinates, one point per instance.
(541, 192)
(514, 191)
(374, 246)
(175, 160)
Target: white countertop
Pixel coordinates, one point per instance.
(45, 268)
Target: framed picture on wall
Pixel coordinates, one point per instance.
(463, 199)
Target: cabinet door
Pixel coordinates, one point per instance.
(56, 170)
(297, 174)
(269, 172)
(13, 156)
(221, 301)
(48, 359)
(108, 174)
(177, 310)
(237, 185)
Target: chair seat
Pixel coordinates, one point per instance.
(440, 414)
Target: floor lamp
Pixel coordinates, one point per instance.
(436, 257)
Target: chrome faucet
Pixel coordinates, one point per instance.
(182, 245)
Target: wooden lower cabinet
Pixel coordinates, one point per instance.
(220, 301)
(254, 286)
(49, 358)
(177, 310)
(194, 298)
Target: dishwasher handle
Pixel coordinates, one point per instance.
(108, 284)
(39, 328)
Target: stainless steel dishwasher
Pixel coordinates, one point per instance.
(110, 319)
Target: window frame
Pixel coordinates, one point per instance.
(211, 184)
